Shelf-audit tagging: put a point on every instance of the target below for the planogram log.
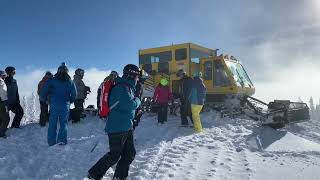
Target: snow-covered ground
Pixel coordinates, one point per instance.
(227, 149)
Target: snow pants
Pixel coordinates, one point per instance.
(78, 110)
(185, 111)
(162, 113)
(58, 113)
(4, 119)
(44, 114)
(121, 147)
(18, 111)
(196, 109)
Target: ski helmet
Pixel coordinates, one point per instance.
(164, 82)
(197, 74)
(79, 72)
(10, 69)
(63, 68)
(131, 70)
(181, 73)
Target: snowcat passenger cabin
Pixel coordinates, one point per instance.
(229, 88)
(223, 76)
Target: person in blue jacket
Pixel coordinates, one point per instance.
(61, 92)
(119, 126)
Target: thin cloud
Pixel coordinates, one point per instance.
(28, 81)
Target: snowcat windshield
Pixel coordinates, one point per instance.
(239, 74)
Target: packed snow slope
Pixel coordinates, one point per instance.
(227, 149)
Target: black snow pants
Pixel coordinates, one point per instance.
(121, 147)
(18, 111)
(185, 111)
(78, 110)
(162, 113)
(4, 119)
(44, 114)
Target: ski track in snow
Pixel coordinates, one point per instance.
(228, 149)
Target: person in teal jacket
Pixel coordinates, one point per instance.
(119, 126)
(197, 99)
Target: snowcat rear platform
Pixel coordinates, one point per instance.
(276, 114)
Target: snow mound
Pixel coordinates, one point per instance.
(271, 140)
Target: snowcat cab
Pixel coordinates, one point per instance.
(229, 88)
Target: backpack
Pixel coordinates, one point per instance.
(106, 88)
(104, 98)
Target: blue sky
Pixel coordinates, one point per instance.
(94, 33)
(275, 40)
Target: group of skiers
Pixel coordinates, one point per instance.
(119, 100)
(59, 92)
(191, 94)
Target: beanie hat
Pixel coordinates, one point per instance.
(10, 69)
(63, 68)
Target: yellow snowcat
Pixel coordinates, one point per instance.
(229, 88)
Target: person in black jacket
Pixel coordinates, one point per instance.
(13, 97)
(184, 93)
(138, 93)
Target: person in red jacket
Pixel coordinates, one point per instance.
(44, 107)
(162, 96)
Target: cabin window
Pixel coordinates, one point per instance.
(147, 68)
(163, 68)
(181, 54)
(207, 75)
(239, 74)
(160, 57)
(244, 76)
(196, 55)
(220, 75)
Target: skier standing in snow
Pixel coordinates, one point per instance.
(184, 92)
(82, 91)
(62, 92)
(13, 97)
(119, 126)
(4, 113)
(111, 78)
(162, 96)
(44, 107)
(197, 98)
